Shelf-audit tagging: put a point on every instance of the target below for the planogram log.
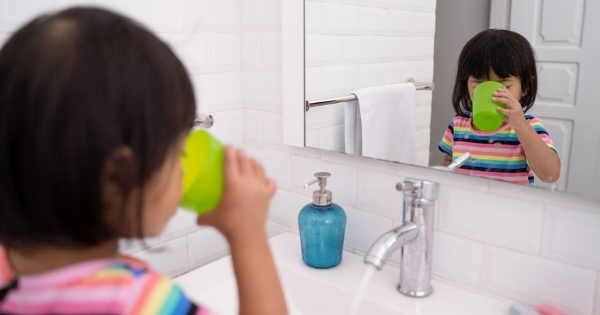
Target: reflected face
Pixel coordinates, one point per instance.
(513, 83)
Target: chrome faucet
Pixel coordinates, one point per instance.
(414, 236)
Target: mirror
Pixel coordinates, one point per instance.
(352, 45)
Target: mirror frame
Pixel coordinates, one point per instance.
(292, 68)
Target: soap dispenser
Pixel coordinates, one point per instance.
(322, 225)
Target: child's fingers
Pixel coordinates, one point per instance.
(502, 93)
(231, 160)
(258, 168)
(502, 111)
(269, 183)
(244, 163)
(509, 101)
(201, 220)
(271, 186)
(204, 219)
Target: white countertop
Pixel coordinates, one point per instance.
(312, 291)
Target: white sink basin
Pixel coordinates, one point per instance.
(312, 291)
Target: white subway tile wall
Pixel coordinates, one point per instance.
(218, 91)
(567, 234)
(377, 193)
(209, 16)
(160, 15)
(260, 15)
(496, 220)
(357, 237)
(194, 49)
(261, 90)
(208, 245)
(354, 44)
(13, 14)
(522, 244)
(169, 258)
(536, 280)
(457, 259)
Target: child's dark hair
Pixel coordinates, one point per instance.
(506, 53)
(76, 86)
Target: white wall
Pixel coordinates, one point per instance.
(512, 242)
(356, 44)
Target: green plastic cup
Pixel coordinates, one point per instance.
(202, 172)
(486, 116)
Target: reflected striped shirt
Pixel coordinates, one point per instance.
(497, 154)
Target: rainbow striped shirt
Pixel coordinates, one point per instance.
(495, 154)
(111, 286)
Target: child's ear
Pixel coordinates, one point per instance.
(117, 182)
(526, 91)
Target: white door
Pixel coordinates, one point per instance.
(566, 37)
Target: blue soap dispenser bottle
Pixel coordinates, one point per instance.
(322, 226)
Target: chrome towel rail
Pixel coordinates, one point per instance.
(427, 86)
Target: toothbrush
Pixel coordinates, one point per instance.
(545, 309)
(522, 309)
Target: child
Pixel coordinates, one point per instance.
(521, 146)
(94, 111)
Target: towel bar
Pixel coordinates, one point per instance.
(347, 98)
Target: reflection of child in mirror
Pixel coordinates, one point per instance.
(521, 146)
(94, 113)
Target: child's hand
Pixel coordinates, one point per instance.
(242, 211)
(513, 111)
(241, 216)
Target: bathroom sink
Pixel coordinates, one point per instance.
(310, 291)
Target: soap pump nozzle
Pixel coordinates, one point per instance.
(321, 197)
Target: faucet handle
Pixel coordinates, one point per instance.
(407, 186)
(419, 188)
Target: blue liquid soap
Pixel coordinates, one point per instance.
(322, 226)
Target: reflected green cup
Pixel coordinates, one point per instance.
(486, 116)
(202, 164)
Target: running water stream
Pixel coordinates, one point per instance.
(362, 288)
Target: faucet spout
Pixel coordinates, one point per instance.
(389, 242)
(414, 236)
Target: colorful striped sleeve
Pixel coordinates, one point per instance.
(537, 125)
(159, 295)
(448, 139)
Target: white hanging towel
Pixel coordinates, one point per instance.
(352, 129)
(382, 123)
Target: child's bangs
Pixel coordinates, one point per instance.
(496, 56)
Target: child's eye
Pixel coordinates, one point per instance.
(508, 86)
